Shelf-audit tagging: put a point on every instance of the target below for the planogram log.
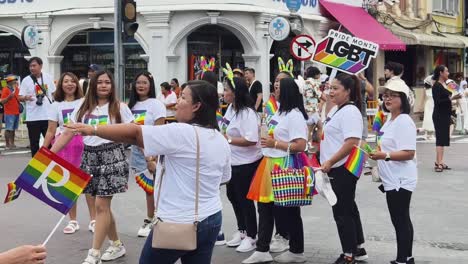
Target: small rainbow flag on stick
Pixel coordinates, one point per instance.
(53, 180)
(219, 116)
(355, 162)
(145, 182)
(271, 107)
(13, 192)
(379, 120)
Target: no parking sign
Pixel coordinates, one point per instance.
(302, 47)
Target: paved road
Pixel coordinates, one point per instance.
(439, 212)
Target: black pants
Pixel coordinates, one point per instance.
(345, 211)
(399, 207)
(35, 129)
(288, 219)
(237, 190)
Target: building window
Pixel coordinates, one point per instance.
(449, 7)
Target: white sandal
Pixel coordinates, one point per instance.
(91, 225)
(72, 227)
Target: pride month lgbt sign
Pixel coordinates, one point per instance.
(344, 52)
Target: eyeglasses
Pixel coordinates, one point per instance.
(390, 96)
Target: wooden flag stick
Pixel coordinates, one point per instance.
(53, 230)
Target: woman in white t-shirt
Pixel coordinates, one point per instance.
(147, 110)
(168, 98)
(67, 97)
(104, 160)
(341, 132)
(397, 166)
(240, 127)
(287, 130)
(196, 114)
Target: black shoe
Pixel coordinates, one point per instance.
(410, 261)
(342, 259)
(361, 255)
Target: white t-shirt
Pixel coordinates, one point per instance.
(36, 112)
(148, 111)
(286, 127)
(169, 99)
(100, 116)
(177, 202)
(245, 124)
(398, 134)
(463, 85)
(61, 112)
(342, 124)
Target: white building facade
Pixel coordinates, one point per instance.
(169, 30)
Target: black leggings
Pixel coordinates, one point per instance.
(399, 207)
(345, 211)
(237, 190)
(35, 129)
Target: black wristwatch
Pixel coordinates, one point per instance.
(387, 157)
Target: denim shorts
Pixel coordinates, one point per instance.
(137, 160)
(11, 122)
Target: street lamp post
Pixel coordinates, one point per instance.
(119, 71)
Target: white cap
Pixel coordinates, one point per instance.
(428, 80)
(449, 81)
(397, 85)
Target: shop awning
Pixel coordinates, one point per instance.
(362, 25)
(458, 37)
(416, 38)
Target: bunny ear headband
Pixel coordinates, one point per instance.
(229, 74)
(207, 66)
(289, 67)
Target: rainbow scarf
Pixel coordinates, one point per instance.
(145, 182)
(355, 162)
(13, 192)
(53, 180)
(379, 121)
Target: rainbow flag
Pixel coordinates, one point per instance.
(53, 180)
(355, 162)
(219, 116)
(271, 107)
(13, 192)
(140, 116)
(368, 149)
(145, 182)
(379, 121)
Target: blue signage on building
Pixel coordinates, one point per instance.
(293, 3)
(15, 1)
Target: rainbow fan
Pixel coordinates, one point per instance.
(146, 183)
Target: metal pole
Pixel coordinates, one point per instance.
(119, 73)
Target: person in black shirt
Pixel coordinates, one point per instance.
(255, 88)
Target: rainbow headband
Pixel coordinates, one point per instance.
(288, 67)
(229, 74)
(207, 66)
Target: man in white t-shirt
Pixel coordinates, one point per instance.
(168, 98)
(36, 90)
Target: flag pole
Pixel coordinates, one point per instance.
(53, 230)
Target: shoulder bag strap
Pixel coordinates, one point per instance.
(197, 184)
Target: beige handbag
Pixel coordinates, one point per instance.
(178, 236)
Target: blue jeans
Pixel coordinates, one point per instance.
(207, 232)
(11, 122)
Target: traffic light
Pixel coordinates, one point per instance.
(129, 15)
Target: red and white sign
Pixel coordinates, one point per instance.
(302, 47)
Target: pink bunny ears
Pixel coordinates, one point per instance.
(207, 66)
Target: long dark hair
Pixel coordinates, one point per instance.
(437, 70)
(91, 99)
(352, 84)
(290, 97)
(59, 95)
(241, 92)
(211, 77)
(134, 97)
(207, 95)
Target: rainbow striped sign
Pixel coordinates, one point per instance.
(53, 180)
(140, 116)
(344, 52)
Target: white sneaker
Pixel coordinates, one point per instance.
(247, 244)
(92, 259)
(92, 225)
(145, 229)
(289, 257)
(113, 252)
(258, 257)
(220, 241)
(279, 244)
(236, 239)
